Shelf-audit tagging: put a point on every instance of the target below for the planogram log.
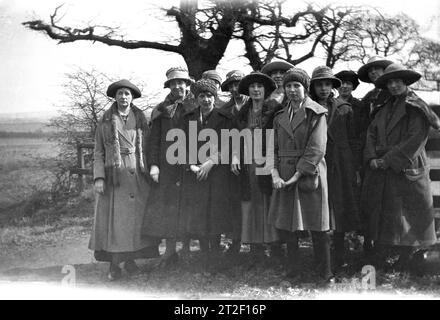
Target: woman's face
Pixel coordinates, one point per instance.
(346, 88)
(374, 73)
(123, 97)
(256, 91)
(323, 89)
(178, 88)
(233, 88)
(277, 76)
(396, 87)
(206, 100)
(295, 91)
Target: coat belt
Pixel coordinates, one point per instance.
(291, 153)
(127, 151)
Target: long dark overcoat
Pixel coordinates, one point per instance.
(208, 207)
(341, 167)
(300, 146)
(398, 200)
(162, 213)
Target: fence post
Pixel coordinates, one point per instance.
(80, 157)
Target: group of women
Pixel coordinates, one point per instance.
(332, 163)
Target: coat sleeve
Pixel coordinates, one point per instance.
(355, 134)
(316, 146)
(370, 143)
(272, 150)
(153, 142)
(400, 156)
(99, 154)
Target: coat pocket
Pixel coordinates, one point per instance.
(309, 183)
(416, 173)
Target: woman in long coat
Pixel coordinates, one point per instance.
(162, 212)
(257, 186)
(232, 107)
(396, 194)
(340, 158)
(299, 201)
(120, 177)
(207, 203)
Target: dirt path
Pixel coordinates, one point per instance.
(67, 252)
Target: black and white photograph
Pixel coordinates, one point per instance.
(200, 150)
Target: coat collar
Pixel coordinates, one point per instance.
(300, 116)
(188, 104)
(398, 114)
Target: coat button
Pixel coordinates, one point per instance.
(178, 183)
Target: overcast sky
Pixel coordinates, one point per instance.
(33, 65)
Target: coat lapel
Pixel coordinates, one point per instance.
(121, 127)
(299, 117)
(398, 114)
(285, 122)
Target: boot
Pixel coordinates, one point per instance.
(321, 242)
(276, 251)
(293, 260)
(339, 243)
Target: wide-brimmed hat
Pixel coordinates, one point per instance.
(348, 75)
(231, 76)
(204, 85)
(297, 74)
(325, 73)
(124, 83)
(276, 65)
(397, 71)
(375, 61)
(212, 75)
(264, 79)
(177, 73)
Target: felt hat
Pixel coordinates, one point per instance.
(111, 90)
(348, 75)
(297, 74)
(231, 76)
(204, 85)
(325, 73)
(397, 71)
(213, 75)
(375, 61)
(265, 80)
(179, 73)
(276, 65)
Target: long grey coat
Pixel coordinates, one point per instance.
(300, 145)
(398, 200)
(119, 211)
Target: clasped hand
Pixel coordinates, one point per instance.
(376, 164)
(203, 170)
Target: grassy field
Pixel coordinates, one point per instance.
(21, 173)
